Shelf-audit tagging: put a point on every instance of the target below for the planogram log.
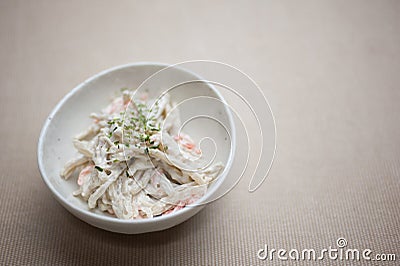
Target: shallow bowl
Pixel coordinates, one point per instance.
(71, 116)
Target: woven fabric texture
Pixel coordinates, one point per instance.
(330, 70)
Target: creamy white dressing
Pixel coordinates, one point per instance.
(132, 163)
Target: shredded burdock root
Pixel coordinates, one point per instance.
(134, 163)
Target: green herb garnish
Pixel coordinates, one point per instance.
(155, 147)
(98, 168)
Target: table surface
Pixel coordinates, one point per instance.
(330, 70)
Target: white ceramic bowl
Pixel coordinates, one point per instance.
(71, 116)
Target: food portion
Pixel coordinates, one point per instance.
(135, 163)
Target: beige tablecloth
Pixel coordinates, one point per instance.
(330, 70)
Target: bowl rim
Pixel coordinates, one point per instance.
(199, 203)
